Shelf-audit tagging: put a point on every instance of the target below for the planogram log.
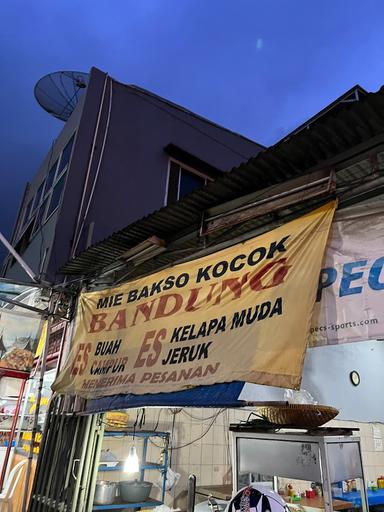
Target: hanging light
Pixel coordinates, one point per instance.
(131, 464)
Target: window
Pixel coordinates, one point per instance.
(56, 195)
(40, 216)
(50, 177)
(22, 244)
(182, 181)
(27, 213)
(66, 155)
(189, 182)
(38, 196)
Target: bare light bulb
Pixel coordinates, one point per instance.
(131, 464)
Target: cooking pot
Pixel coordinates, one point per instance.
(134, 491)
(105, 492)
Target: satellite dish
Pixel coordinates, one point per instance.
(58, 93)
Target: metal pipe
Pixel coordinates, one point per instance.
(89, 459)
(6, 280)
(38, 400)
(90, 161)
(53, 473)
(12, 434)
(88, 425)
(23, 411)
(58, 485)
(72, 454)
(47, 445)
(191, 493)
(95, 468)
(18, 258)
(22, 305)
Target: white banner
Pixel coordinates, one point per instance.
(350, 296)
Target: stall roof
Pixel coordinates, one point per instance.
(349, 127)
(216, 395)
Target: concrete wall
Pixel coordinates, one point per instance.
(326, 375)
(129, 177)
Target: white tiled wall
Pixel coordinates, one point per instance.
(201, 441)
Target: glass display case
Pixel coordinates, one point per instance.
(317, 462)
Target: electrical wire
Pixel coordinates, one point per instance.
(90, 161)
(196, 418)
(106, 130)
(140, 94)
(198, 438)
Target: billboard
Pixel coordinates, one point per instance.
(351, 284)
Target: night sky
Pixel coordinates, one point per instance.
(259, 67)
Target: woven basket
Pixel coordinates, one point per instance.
(299, 415)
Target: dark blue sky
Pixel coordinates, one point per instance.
(259, 67)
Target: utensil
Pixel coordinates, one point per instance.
(299, 415)
(134, 491)
(105, 492)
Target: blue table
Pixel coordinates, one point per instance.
(374, 497)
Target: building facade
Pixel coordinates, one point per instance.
(123, 154)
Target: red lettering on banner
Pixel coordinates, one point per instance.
(278, 277)
(270, 275)
(163, 303)
(152, 358)
(193, 296)
(145, 309)
(97, 322)
(145, 346)
(118, 321)
(235, 285)
(81, 359)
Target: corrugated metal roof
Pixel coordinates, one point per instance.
(334, 134)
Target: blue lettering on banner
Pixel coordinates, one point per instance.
(374, 274)
(350, 274)
(327, 277)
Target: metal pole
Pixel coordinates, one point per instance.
(12, 434)
(191, 493)
(95, 466)
(6, 280)
(363, 490)
(18, 258)
(24, 410)
(22, 305)
(47, 447)
(88, 463)
(81, 460)
(327, 489)
(38, 400)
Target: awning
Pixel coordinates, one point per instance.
(217, 395)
